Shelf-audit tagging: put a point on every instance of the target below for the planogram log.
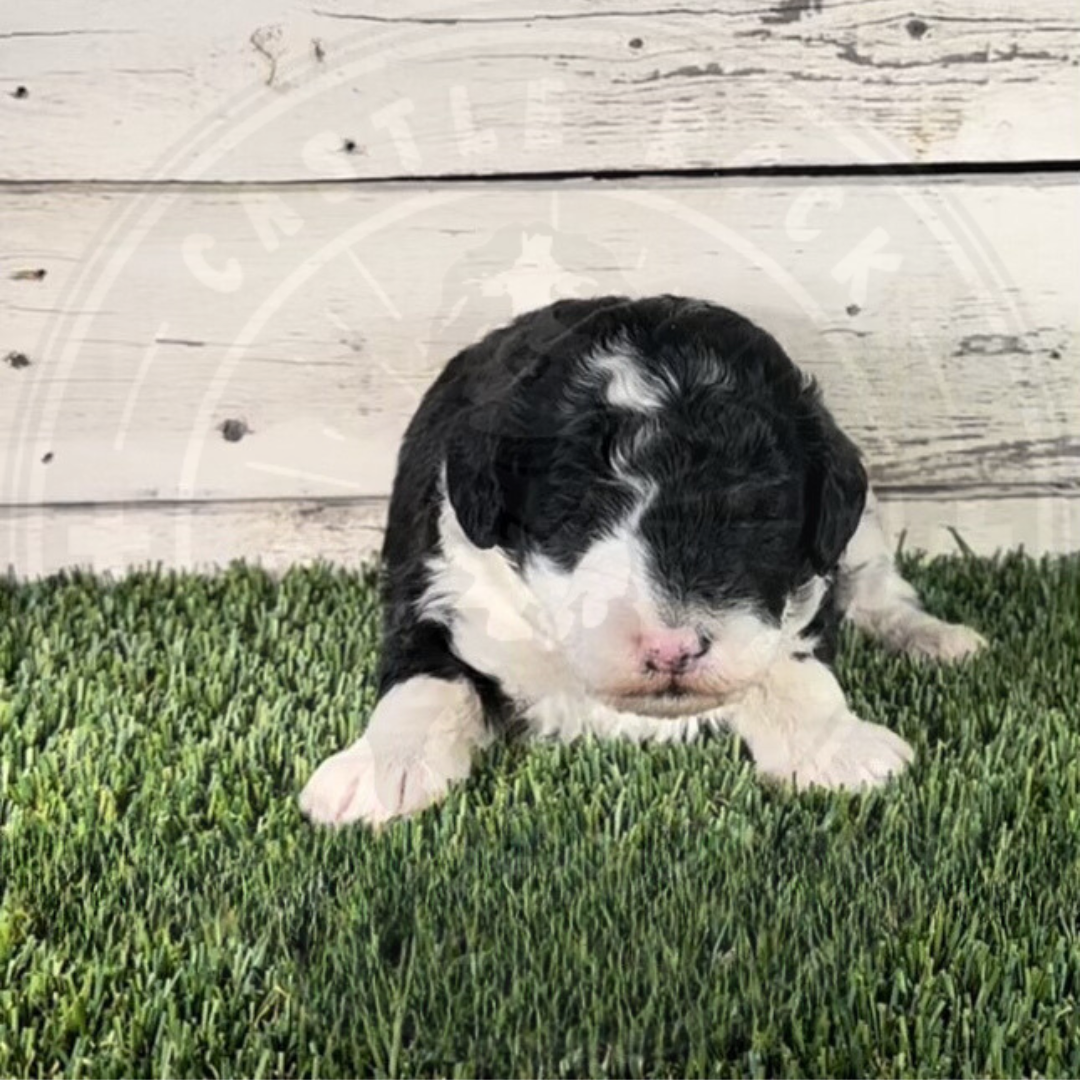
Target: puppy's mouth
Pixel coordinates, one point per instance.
(673, 700)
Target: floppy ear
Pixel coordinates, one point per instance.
(492, 473)
(836, 494)
(474, 486)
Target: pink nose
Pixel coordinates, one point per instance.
(672, 651)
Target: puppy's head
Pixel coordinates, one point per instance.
(674, 520)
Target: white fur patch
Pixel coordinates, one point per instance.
(932, 639)
(881, 603)
(419, 741)
(500, 626)
(628, 387)
(570, 717)
(622, 465)
(801, 607)
(497, 624)
(798, 727)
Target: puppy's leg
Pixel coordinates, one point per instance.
(798, 727)
(880, 602)
(419, 741)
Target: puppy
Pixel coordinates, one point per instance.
(632, 518)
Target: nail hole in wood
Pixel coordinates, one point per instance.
(17, 360)
(20, 92)
(48, 456)
(636, 43)
(916, 28)
(234, 430)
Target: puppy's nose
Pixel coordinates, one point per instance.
(672, 651)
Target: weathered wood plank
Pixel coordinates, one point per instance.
(288, 90)
(200, 536)
(193, 536)
(940, 317)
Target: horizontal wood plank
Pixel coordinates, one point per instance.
(264, 90)
(202, 536)
(194, 536)
(201, 345)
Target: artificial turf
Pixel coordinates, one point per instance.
(600, 909)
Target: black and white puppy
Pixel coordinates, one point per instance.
(633, 518)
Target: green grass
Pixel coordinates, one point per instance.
(599, 909)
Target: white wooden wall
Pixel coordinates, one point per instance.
(238, 240)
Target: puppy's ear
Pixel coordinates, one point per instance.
(836, 493)
(474, 486)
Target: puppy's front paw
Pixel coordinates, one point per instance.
(359, 785)
(932, 639)
(418, 742)
(853, 755)
(340, 789)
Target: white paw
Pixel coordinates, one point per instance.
(852, 755)
(933, 639)
(418, 742)
(359, 785)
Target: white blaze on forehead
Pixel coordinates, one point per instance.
(628, 387)
(631, 387)
(624, 465)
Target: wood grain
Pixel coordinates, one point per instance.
(280, 353)
(261, 90)
(195, 536)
